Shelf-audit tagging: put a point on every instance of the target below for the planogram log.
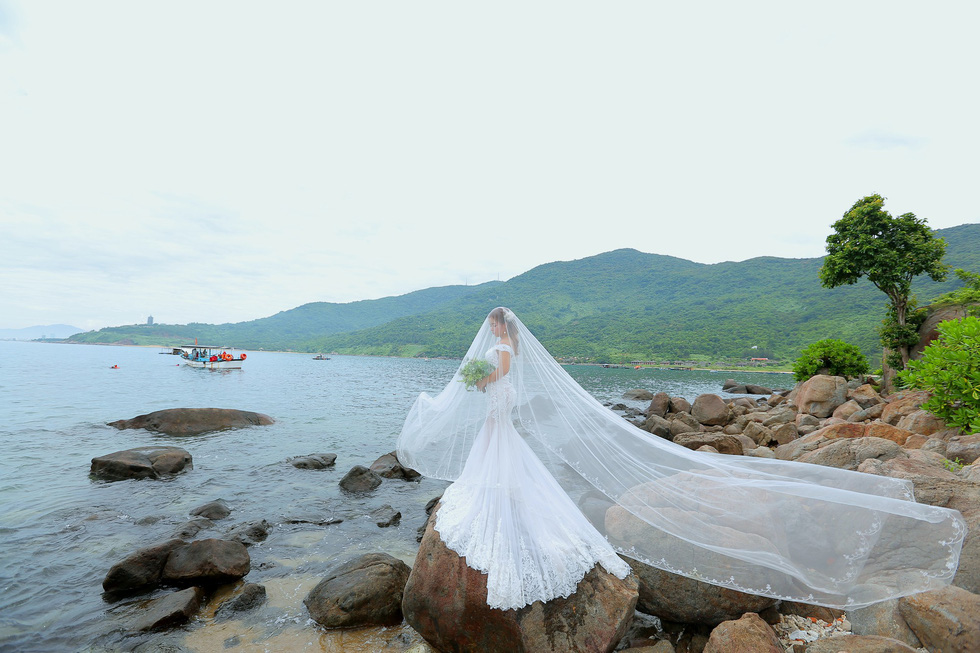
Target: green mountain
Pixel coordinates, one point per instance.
(286, 328)
(617, 306)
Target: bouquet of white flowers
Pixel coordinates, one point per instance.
(474, 370)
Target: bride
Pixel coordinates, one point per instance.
(526, 442)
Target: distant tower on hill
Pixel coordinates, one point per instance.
(149, 320)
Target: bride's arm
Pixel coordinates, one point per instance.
(498, 373)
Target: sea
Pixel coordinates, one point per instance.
(61, 530)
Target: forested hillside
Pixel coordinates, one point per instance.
(617, 306)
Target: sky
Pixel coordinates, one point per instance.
(224, 161)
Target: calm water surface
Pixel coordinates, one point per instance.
(61, 531)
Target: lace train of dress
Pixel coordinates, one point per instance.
(509, 517)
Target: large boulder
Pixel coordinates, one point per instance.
(884, 619)
(207, 562)
(820, 395)
(851, 452)
(140, 570)
(388, 466)
(965, 448)
(360, 479)
(865, 395)
(722, 443)
(193, 421)
(446, 602)
(141, 462)
(922, 422)
(672, 597)
(711, 410)
(902, 404)
(945, 620)
(858, 644)
(363, 591)
(659, 405)
(169, 610)
(748, 634)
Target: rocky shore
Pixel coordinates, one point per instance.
(826, 420)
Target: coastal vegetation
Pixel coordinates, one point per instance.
(833, 357)
(890, 252)
(615, 307)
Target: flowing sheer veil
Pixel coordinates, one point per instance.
(789, 530)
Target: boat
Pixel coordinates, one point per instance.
(321, 357)
(212, 358)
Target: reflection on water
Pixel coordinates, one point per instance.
(61, 531)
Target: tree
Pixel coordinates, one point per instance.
(890, 252)
(834, 357)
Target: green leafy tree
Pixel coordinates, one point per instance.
(894, 336)
(969, 294)
(830, 356)
(950, 369)
(890, 252)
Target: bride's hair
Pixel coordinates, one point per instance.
(507, 317)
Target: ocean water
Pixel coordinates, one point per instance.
(61, 531)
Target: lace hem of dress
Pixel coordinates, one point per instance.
(554, 573)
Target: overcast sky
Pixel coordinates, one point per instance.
(223, 161)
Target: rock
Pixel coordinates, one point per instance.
(659, 405)
(846, 409)
(808, 611)
(214, 510)
(190, 529)
(388, 466)
(872, 412)
(251, 596)
(363, 591)
(684, 600)
(207, 562)
(903, 404)
(386, 516)
(922, 422)
(711, 410)
(745, 402)
(865, 395)
(679, 405)
(727, 444)
(785, 415)
(858, 644)
(758, 433)
(748, 634)
(657, 425)
(785, 433)
(728, 384)
(884, 619)
(193, 421)
(683, 423)
(141, 462)
(360, 479)
(638, 395)
(314, 461)
(141, 570)
(945, 620)
(887, 432)
(805, 419)
(445, 602)
(820, 395)
(169, 610)
(251, 532)
(851, 452)
(964, 448)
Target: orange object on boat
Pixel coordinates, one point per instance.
(243, 356)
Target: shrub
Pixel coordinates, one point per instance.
(950, 369)
(834, 357)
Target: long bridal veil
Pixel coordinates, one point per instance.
(789, 530)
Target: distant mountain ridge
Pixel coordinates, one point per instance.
(617, 306)
(40, 331)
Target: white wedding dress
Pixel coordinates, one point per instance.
(522, 454)
(507, 515)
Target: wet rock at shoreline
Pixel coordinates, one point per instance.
(446, 602)
(363, 591)
(190, 529)
(251, 532)
(141, 462)
(251, 596)
(193, 421)
(388, 466)
(360, 479)
(386, 516)
(314, 461)
(213, 510)
(207, 562)
(140, 570)
(170, 610)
